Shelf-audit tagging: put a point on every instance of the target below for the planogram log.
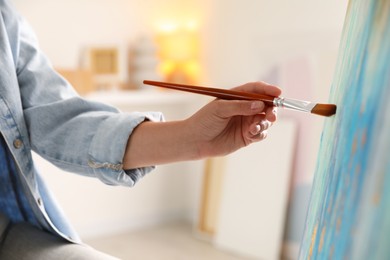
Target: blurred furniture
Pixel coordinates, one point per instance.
(105, 66)
(144, 62)
(211, 196)
(80, 79)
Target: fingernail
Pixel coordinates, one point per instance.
(265, 124)
(257, 129)
(257, 105)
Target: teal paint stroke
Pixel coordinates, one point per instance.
(349, 211)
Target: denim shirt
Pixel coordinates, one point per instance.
(40, 111)
(13, 200)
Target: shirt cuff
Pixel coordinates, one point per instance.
(108, 147)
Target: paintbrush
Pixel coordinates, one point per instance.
(293, 104)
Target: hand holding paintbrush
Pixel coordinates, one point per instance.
(218, 128)
(304, 106)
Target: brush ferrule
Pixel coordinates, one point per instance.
(294, 104)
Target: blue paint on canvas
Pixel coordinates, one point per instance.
(349, 212)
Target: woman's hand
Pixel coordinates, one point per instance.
(223, 126)
(219, 128)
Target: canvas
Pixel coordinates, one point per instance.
(349, 211)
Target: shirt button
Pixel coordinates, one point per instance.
(39, 201)
(18, 143)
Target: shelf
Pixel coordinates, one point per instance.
(143, 97)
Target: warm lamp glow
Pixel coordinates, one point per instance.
(179, 49)
(192, 67)
(167, 27)
(167, 67)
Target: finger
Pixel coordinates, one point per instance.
(265, 125)
(258, 124)
(259, 137)
(271, 114)
(260, 88)
(255, 129)
(229, 108)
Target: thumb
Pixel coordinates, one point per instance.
(229, 108)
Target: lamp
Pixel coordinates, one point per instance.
(178, 51)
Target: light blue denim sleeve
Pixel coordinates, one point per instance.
(76, 135)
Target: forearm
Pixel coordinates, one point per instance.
(219, 128)
(154, 143)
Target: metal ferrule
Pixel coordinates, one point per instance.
(294, 104)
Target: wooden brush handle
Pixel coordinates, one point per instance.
(214, 92)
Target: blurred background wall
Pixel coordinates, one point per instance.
(290, 43)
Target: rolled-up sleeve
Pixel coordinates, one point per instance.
(75, 134)
(106, 157)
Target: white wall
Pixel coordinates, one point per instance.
(242, 39)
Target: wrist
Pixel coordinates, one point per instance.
(154, 143)
(191, 140)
